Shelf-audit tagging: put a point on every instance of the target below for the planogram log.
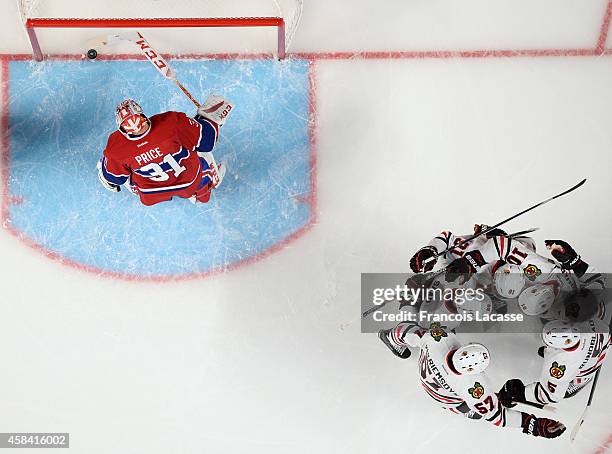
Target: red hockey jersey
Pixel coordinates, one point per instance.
(163, 160)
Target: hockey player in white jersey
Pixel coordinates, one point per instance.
(511, 263)
(452, 374)
(571, 356)
(475, 253)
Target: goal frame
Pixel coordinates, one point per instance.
(32, 24)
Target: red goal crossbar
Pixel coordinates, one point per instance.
(32, 24)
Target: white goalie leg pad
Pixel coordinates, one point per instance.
(216, 109)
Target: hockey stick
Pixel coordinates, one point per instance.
(580, 421)
(487, 230)
(151, 54)
(544, 408)
(523, 232)
(160, 64)
(531, 404)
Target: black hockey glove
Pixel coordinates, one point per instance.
(464, 266)
(512, 392)
(541, 427)
(416, 281)
(566, 255)
(582, 306)
(416, 262)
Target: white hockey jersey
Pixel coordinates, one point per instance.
(565, 371)
(471, 395)
(520, 251)
(492, 249)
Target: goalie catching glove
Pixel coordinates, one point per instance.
(215, 109)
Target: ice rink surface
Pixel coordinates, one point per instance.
(406, 120)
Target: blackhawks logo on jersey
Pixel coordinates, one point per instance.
(557, 371)
(532, 272)
(437, 332)
(476, 391)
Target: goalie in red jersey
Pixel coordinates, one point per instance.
(167, 155)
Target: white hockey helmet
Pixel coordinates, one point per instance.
(560, 334)
(131, 120)
(509, 280)
(480, 304)
(537, 299)
(471, 359)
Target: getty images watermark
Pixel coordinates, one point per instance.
(466, 303)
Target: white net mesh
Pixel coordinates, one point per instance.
(290, 10)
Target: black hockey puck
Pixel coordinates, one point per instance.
(92, 53)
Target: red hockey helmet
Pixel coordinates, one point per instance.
(131, 120)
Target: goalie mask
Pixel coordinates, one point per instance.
(131, 120)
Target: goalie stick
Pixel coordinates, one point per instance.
(157, 61)
(151, 54)
(487, 230)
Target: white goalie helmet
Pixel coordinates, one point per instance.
(537, 299)
(509, 280)
(560, 334)
(471, 359)
(131, 120)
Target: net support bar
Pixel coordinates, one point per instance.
(32, 24)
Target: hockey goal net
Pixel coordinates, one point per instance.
(284, 15)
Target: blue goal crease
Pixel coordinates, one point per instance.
(60, 115)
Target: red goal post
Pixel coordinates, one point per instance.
(285, 15)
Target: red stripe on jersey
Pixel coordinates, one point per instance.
(440, 397)
(592, 368)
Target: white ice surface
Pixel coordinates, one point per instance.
(254, 360)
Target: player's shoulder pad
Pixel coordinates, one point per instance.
(171, 115)
(114, 142)
(170, 118)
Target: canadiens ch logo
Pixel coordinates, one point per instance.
(557, 371)
(532, 272)
(437, 332)
(476, 391)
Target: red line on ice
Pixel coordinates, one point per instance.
(605, 29)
